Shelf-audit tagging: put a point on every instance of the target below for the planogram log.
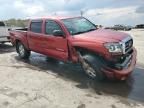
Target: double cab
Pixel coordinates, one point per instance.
(102, 53)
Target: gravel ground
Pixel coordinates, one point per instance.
(42, 83)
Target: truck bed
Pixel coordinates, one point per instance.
(19, 33)
(20, 29)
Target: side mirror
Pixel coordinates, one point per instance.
(58, 33)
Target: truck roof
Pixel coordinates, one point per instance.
(54, 17)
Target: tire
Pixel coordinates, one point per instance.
(22, 51)
(95, 64)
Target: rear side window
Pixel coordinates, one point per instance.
(36, 26)
(51, 26)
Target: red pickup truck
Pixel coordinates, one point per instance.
(101, 53)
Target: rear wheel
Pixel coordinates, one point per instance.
(22, 51)
(92, 66)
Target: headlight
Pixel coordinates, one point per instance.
(114, 47)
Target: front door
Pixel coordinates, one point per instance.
(54, 46)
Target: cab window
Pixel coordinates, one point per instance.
(51, 26)
(36, 26)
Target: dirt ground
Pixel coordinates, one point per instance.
(43, 83)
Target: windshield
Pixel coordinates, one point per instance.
(78, 25)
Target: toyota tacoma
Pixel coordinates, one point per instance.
(102, 53)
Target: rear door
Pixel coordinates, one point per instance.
(35, 35)
(54, 46)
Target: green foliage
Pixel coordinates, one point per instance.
(17, 22)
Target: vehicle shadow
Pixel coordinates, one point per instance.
(5, 48)
(131, 89)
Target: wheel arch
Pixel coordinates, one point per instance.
(25, 44)
(95, 60)
(16, 43)
(26, 53)
(84, 51)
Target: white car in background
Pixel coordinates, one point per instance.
(4, 34)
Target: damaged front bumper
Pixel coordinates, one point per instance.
(122, 70)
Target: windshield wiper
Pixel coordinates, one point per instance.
(78, 33)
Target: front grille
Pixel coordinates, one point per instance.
(128, 45)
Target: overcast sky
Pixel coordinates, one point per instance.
(105, 12)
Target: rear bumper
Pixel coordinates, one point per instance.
(124, 73)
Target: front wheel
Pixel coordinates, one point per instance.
(22, 51)
(92, 66)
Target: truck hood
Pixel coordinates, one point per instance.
(102, 35)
